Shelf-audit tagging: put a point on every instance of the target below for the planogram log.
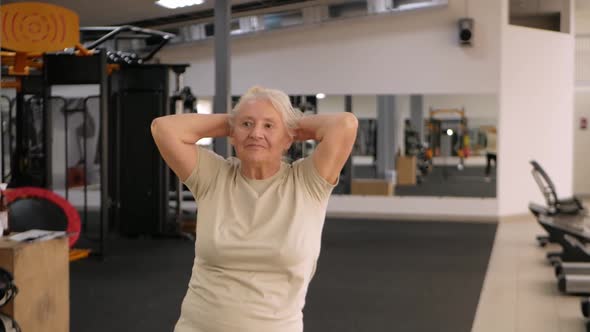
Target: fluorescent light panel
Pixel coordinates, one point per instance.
(172, 4)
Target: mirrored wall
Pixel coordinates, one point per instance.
(422, 145)
(410, 145)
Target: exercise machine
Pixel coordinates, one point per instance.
(570, 209)
(126, 80)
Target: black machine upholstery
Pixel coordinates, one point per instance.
(555, 205)
(35, 213)
(39, 208)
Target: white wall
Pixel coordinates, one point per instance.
(10, 93)
(205, 106)
(401, 54)
(581, 143)
(536, 114)
(364, 107)
(582, 109)
(582, 24)
(331, 104)
(406, 207)
(481, 109)
(74, 91)
(75, 121)
(567, 13)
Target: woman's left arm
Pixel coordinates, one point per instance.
(336, 134)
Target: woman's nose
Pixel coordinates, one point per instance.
(256, 132)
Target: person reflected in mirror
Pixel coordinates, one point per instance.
(490, 152)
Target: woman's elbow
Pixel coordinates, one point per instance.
(155, 127)
(350, 122)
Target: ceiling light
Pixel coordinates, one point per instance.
(320, 96)
(172, 4)
(450, 132)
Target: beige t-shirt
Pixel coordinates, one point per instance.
(257, 246)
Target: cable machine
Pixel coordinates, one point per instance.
(130, 94)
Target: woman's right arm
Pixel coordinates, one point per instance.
(176, 135)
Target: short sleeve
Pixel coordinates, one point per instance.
(200, 181)
(318, 187)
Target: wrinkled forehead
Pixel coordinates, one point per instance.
(259, 110)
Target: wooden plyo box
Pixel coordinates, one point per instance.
(371, 187)
(406, 170)
(41, 273)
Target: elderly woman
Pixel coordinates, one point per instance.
(260, 219)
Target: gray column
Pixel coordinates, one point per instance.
(221, 102)
(386, 138)
(346, 174)
(417, 115)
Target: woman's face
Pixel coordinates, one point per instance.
(259, 134)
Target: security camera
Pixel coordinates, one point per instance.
(466, 31)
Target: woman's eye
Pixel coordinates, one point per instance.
(246, 123)
(268, 125)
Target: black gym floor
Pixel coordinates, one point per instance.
(372, 276)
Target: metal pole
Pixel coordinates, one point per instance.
(2, 133)
(15, 168)
(47, 134)
(417, 115)
(67, 183)
(179, 185)
(10, 138)
(85, 158)
(386, 140)
(105, 201)
(348, 168)
(222, 67)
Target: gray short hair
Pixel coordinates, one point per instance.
(279, 100)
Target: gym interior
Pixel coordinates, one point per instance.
(461, 208)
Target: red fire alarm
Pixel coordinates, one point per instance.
(583, 122)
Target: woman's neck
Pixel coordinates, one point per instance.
(259, 171)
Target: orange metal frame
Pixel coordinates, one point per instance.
(31, 29)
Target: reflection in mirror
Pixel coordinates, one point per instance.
(422, 145)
